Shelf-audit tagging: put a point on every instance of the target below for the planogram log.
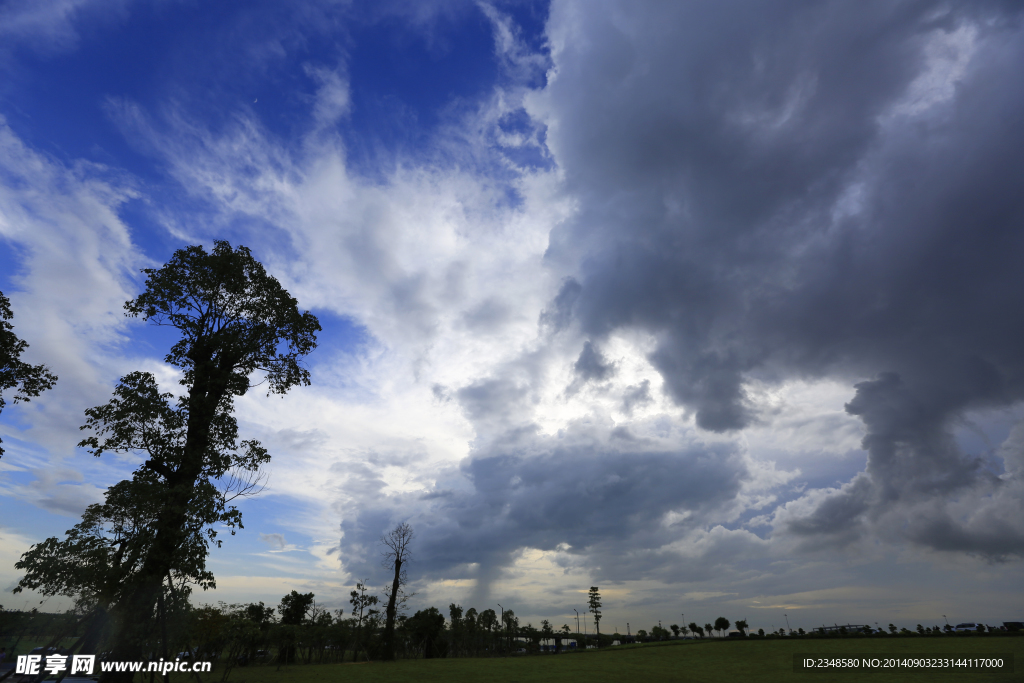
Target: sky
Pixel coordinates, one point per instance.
(717, 306)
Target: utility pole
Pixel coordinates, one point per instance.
(577, 625)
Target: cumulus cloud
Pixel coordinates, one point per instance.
(790, 191)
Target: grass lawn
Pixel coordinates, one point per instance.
(755, 661)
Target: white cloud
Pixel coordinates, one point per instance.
(50, 25)
(76, 271)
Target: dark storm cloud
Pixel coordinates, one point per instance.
(542, 492)
(558, 316)
(793, 190)
(591, 366)
(636, 395)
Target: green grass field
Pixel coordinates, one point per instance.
(756, 661)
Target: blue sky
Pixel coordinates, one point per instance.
(713, 305)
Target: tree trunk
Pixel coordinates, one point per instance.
(388, 650)
(136, 622)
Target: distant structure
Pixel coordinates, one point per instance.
(548, 644)
(853, 628)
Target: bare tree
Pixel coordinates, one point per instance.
(396, 555)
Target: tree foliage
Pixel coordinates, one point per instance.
(27, 380)
(426, 627)
(234, 319)
(294, 608)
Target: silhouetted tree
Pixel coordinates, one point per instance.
(546, 632)
(489, 622)
(362, 608)
(260, 614)
(426, 627)
(594, 605)
(457, 630)
(471, 626)
(511, 627)
(27, 380)
(234, 320)
(741, 625)
(294, 607)
(396, 554)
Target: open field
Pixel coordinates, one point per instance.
(762, 661)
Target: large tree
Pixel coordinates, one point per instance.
(27, 380)
(396, 555)
(235, 322)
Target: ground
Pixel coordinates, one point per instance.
(763, 661)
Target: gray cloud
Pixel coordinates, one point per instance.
(636, 395)
(789, 191)
(591, 366)
(590, 493)
(559, 315)
(274, 540)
